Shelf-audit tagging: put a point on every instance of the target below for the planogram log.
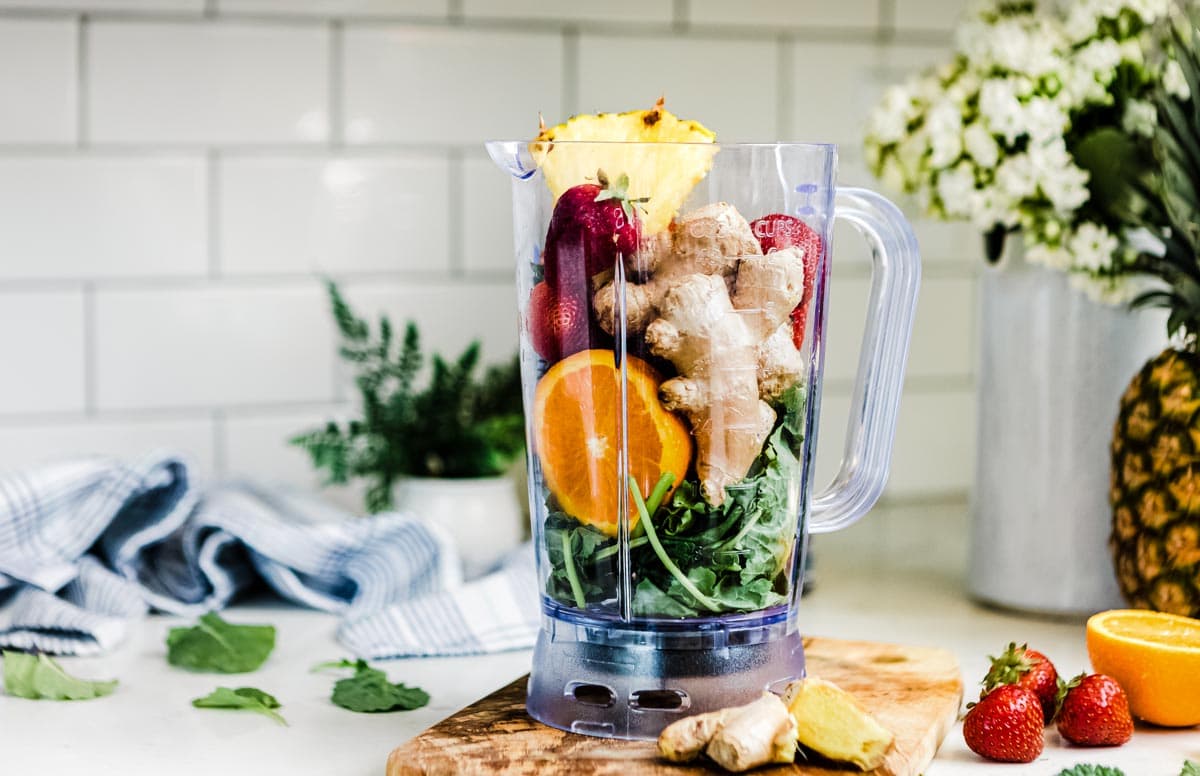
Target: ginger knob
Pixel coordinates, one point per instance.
(831, 722)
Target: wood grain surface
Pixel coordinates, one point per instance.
(913, 691)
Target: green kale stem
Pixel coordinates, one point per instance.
(572, 575)
(669, 564)
(652, 504)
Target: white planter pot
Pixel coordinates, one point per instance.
(1052, 368)
(484, 516)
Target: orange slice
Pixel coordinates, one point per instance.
(1155, 657)
(576, 416)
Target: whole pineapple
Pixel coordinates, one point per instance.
(1155, 491)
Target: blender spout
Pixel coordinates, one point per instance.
(513, 157)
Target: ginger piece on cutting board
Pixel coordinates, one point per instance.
(737, 738)
(831, 722)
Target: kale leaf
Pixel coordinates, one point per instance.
(39, 677)
(1084, 769)
(248, 698)
(217, 646)
(370, 691)
(1190, 768)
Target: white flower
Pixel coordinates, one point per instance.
(955, 187)
(981, 145)
(944, 125)
(1054, 257)
(1058, 177)
(1000, 108)
(1016, 177)
(1140, 118)
(1093, 247)
(892, 174)
(1044, 120)
(1174, 81)
(888, 123)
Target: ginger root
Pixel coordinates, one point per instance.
(737, 739)
(832, 723)
(718, 309)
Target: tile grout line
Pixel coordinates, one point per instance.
(886, 22)
(681, 15)
(454, 12)
(89, 349)
(336, 93)
(212, 202)
(456, 193)
(81, 82)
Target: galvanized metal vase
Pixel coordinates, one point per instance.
(1053, 365)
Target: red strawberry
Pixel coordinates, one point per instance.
(1027, 668)
(778, 231)
(1094, 711)
(1005, 725)
(592, 223)
(558, 324)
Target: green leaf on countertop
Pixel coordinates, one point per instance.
(370, 691)
(221, 647)
(39, 677)
(335, 664)
(248, 698)
(1084, 769)
(1190, 768)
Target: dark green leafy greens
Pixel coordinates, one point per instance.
(370, 691)
(1084, 769)
(1190, 768)
(39, 677)
(458, 425)
(248, 698)
(692, 558)
(217, 646)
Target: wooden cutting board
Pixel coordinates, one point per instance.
(913, 691)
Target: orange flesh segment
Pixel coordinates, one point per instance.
(576, 417)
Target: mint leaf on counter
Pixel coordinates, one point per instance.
(369, 690)
(1190, 768)
(38, 677)
(248, 698)
(221, 647)
(1092, 770)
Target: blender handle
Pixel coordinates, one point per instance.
(895, 277)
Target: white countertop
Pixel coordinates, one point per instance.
(898, 576)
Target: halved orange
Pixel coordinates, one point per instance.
(576, 416)
(1155, 657)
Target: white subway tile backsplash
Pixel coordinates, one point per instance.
(37, 80)
(102, 216)
(832, 91)
(935, 443)
(41, 352)
(619, 11)
(334, 214)
(937, 15)
(404, 8)
(449, 316)
(943, 333)
(792, 14)
(442, 85)
(212, 346)
(486, 218)
(217, 82)
(730, 86)
(26, 445)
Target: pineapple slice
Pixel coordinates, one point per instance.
(665, 174)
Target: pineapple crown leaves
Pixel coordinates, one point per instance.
(1008, 668)
(458, 425)
(619, 191)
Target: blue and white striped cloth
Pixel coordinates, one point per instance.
(87, 545)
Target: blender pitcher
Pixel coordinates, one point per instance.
(672, 342)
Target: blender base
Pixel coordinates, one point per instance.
(634, 691)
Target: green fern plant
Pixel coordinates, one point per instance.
(457, 425)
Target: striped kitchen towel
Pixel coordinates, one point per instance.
(87, 545)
